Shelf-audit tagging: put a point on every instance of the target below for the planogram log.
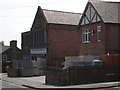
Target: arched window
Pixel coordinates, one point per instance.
(98, 33)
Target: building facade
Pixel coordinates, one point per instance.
(53, 36)
(9, 53)
(100, 29)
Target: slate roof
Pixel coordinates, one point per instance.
(4, 48)
(109, 11)
(60, 17)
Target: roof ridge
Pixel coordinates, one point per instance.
(61, 11)
(104, 1)
(6, 46)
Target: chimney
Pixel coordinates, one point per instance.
(13, 43)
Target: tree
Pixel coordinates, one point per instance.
(1, 43)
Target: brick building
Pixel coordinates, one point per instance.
(100, 29)
(53, 36)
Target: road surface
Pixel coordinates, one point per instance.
(6, 86)
(112, 88)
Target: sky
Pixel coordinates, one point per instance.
(16, 16)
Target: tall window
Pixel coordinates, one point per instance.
(98, 33)
(45, 39)
(33, 39)
(36, 34)
(86, 35)
(37, 38)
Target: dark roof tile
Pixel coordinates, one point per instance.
(60, 17)
(4, 48)
(109, 11)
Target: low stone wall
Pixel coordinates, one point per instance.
(57, 76)
(82, 75)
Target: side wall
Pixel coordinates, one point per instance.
(119, 38)
(113, 38)
(26, 44)
(63, 40)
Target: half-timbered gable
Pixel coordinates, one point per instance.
(90, 15)
(98, 11)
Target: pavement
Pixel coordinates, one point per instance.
(37, 82)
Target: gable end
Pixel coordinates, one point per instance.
(90, 16)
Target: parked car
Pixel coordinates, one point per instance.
(97, 63)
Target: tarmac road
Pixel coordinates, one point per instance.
(112, 88)
(39, 82)
(10, 86)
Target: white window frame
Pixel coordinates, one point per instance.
(86, 35)
(98, 33)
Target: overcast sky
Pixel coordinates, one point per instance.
(16, 16)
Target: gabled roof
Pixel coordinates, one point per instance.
(109, 11)
(27, 32)
(4, 48)
(59, 17)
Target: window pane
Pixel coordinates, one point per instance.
(98, 36)
(45, 36)
(82, 37)
(86, 35)
(33, 40)
(98, 33)
(4, 57)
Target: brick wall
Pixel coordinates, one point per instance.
(39, 20)
(109, 40)
(63, 40)
(94, 47)
(26, 43)
(112, 34)
(119, 37)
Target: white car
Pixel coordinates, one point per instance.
(97, 63)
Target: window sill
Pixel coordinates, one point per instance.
(86, 42)
(98, 40)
